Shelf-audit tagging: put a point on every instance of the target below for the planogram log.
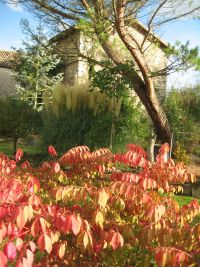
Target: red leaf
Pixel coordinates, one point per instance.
(44, 243)
(67, 224)
(25, 165)
(33, 185)
(35, 228)
(10, 251)
(3, 259)
(56, 167)
(30, 256)
(3, 232)
(52, 152)
(32, 246)
(44, 225)
(76, 224)
(25, 263)
(116, 241)
(34, 200)
(161, 257)
(18, 154)
(21, 218)
(3, 212)
(19, 243)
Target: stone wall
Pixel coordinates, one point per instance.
(72, 44)
(7, 82)
(68, 48)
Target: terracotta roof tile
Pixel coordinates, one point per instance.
(6, 57)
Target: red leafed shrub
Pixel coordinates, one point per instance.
(96, 209)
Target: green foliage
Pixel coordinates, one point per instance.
(34, 66)
(180, 153)
(110, 79)
(183, 200)
(183, 110)
(182, 56)
(17, 119)
(7, 148)
(77, 127)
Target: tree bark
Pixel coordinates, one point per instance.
(145, 89)
(146, 95)
(14, 145)
(153, 107)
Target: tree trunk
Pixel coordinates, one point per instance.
(144, 88)
(14, 145)
(146, 95)
(153, 107)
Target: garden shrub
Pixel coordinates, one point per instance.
(17, 119)
(67, 128)
(96, 209)
(183, 108)
(180, 153)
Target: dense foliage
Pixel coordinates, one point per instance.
(70, 128)
(17, 119)
(35, 67)
(96, 209)
(183, 110)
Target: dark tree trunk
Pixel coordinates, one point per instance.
(14, 145)
(146, 95)
(143, 87)
(153, 107)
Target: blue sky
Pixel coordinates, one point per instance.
(11, 35)
(10, 31)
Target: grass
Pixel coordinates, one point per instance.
(7, 148)
(184, 200)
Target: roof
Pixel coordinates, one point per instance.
(135, 24)
(6, 58)
(151, 35)
(64, 34)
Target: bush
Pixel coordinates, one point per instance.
(96, 209)
(180, 153)
(183, 110)
(67, 128)
(17, 119)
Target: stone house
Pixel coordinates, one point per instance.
(7, 81)
(72, 43)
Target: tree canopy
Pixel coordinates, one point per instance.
(17, 119)
(34, 67)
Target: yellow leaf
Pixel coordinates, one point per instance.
(99, 218)
(103, 198)
(28, 211)
(85, 240)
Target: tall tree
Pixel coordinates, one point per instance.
(34, 67)
(104, 16)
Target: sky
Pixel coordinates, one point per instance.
(11, 36)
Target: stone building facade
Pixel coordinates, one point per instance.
(74, 49)
(7, 81)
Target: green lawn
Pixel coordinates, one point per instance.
(7, 148)
(183, 200)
